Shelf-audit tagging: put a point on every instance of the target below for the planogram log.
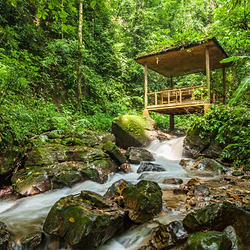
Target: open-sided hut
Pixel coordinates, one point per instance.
(203, 56)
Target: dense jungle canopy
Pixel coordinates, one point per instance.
(50, 48)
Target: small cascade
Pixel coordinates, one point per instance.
(171, 150)
(28, 214)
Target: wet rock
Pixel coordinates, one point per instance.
(231, 233)
(165, 236)
(125, 168)
(32, 241)
(192, 201)
(8, 160)
(201, 191)
(129, 130)
(5, 239)
(143, 200)
(197, 146)
(137, 155)
(208, 240)
(113, 151)
(115, 191)
(193, 182)
(148, 166)
(36, 179)
(85, 220)
(246, 168)
(173, 181)
(187, 163)
(217, 217)
(209, 164)
(238, 172)
(180, 191)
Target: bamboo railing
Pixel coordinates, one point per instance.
(183, 95)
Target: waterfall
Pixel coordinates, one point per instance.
(28, 214)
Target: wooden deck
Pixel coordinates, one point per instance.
(184, 100)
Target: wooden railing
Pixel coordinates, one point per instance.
(217, 97)
(183, 95)
(177, 95)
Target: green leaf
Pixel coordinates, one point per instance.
(93, 4)
(243, 85)
(234, 58)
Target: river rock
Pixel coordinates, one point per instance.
(137, 155)
(113, 151)
(5, 239)
(136, 131)
(201, 191)
(209, 164)
(165, 236)
(217, 217)
(32, 241)
(173, 181)
(148, 166)
(143, 200)
(197, 146)
(208, 240)
(238, 172)
(85, 220)
(83, 164)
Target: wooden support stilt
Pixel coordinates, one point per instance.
(224, 84)
(171, 122)
(208, 72)
(146, 86)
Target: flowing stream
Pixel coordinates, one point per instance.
(28, 214)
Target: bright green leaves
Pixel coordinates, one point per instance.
(93, 4)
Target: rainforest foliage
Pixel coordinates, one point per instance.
(39, 57)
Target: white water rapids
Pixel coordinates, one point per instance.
(28, 214)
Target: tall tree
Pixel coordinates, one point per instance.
(79, 74)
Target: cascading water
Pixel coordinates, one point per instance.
(28, 214)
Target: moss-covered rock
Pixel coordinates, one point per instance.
(85, 220)
(8, 160)
(208, 240)
(143, 200)
(5, 239)
(46, 154)
(197, 146)
(113, 151)
(131, 130)
(210, 165)
(137, 155)
(219, 216)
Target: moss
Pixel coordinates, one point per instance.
(208, 240)
(133, 124)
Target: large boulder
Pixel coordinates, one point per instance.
(143, 200)
(131, 130)
(5, 239)
(208, 240)
(218, 217)
(196, 146)
(137, 155)
(84, 221)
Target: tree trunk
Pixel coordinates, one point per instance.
(79, 75)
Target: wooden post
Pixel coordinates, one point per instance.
(171, 82)
(171, 122)
(146, 86)
(208, 73)
(224, 84)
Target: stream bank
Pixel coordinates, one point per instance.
(185, 188)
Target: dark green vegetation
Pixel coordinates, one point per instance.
(40, 66)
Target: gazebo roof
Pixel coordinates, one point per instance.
(185, 59)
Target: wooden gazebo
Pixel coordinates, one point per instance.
(182, 60)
